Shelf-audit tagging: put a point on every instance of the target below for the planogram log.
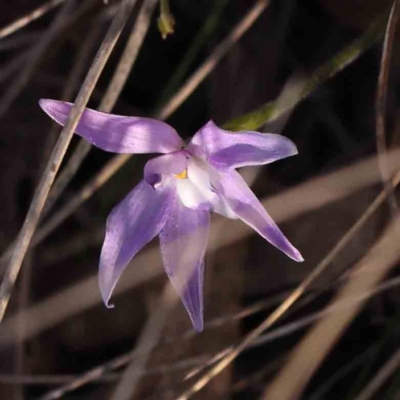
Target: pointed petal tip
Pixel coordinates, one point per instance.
(197, 322)
(47, 102)
(299, 257)
(295, 150)
(288, 146)
(106, 299)
(107, 303)
(109, 306)
(44, 103)
(50, 106)
(291, 252)
(210, 123)
(106, 291)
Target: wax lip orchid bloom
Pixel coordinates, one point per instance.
(178, 191)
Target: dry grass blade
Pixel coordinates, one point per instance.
(147, 341)
(78, 381)
(99, 374)
(369, 271)
(12, 66)
(381, 377)
(250, 338)
(381, 104)
(89, 376)
(20, 41)
(37, 204)
(356, 362)
(28, 18)
(49, 379)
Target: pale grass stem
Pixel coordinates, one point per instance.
(381, 96)
(28, 18)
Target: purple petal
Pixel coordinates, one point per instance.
(173, 163)
(116, 133)
(136, 220)
(233, 150)
(248, 208)
(183, 243)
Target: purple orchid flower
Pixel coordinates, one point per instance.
(178, 191)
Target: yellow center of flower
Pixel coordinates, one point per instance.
(182, 175)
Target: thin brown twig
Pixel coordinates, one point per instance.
(87, 377)
(24, 379)
(345, 369)
(68, 381)
(13, 65)
(58, 153)
(148, 339)
(28, 18)
(20, 41)
(381, 377)
(381, 100)
(98, 372)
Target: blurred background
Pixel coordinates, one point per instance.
(316, 64)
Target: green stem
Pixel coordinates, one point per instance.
(271, 111)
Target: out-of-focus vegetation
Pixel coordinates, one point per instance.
(307, 69)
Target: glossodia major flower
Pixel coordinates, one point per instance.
(178, 191)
